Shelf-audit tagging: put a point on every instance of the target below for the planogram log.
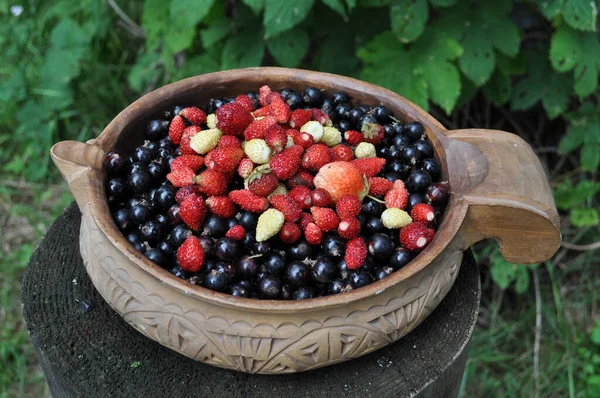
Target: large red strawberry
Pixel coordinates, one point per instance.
(356, 253)
(285, 163)
(211, 183)
(194, 115)
(341, 178)
(259, 128)
(262, 182)
(288, 206)
(233, 118)
(224, 159)
(176, 128)
(316, 156)
(192, 211)
(190, 255)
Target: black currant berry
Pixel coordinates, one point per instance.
(174, 215)
(294, 100)
(157, 170)
(437, 193)
(297, 274)
(304, 293)
(165, 196)
(152, 231)
(432, 167)
(339, 98)
(285, 92)
(116, 162)
(238, 290)
(383, 272)
(380, 246)
(286, 292)
(338, 286)
(299, 250)
(389, 132)
(425, 148)
(274, 263)
(122, 218)
(410, 155)
(391, 177)
(207, 244)
(323, 270)
(344, 125)
(414, 130)
(400, 141)
(382, 114)
(269, 288)
(140, 213)
(312, 96)
(143, 154)
(393, 153)
(227, 249)
(157, 129)
(372, 208)
(262, 247)
(117, 189)
(231, 222)
(359, 279)
(418, 181)
(179, 234)
(225, 268)
(248, 220)
(342, 269)
(414, 199)
(139, 181)
(247, 267)
(373, 226)
(400, 257)
(355, 114)
(333, 245)
(400, 168)
(166, 247)
(216, 280)
(156, 256)
(215, 226)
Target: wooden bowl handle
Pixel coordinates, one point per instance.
(508, 196)
(75, 159)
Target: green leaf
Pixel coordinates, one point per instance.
(444, 84)
(283, 15)
(511, 66)
(289, 47)
(188, 13)
(551, 8)
(154, 22)
(215, 32)
(14, 89)
(590, 157)
(595, 335)
(498, 88)
(588, 66)
(207, 62)
(564, 49)
(572, 139)
(556, 97)
(337, 54)
(504, 35)
(243, 50)
(144, 71)
(568, 196)
(502, 273)
(351, 4)
(255, 5)
(581, 217)
(337, 6)
(374, 3)
(581, 14)
(478, 59)
(443, 3)
(178, 39)
(408, 18)
(521, 279)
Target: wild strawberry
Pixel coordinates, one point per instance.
(258, 151)
(304, 139)
(325, 218)
(285, 163)
(369, 167)
(224, 159)
(192, 211)
(205, 141)
(321, 198)
(280, 190)
(302, 177)
(183, 192)
(349, 229)
(399, 184)
(229, 141)
(292, 133)
(211, 183)
(313, 234)
(396, 198)
(379, 186)
(301, 195)
(262, 183)
(290, 233)
(245, 168)
(356, 253)
(259, 128)
(348, 206)
(300, 117)
(237, 232)
(176, 128)
(341, 178)
(353, 137)
(416, 236)
(305, 218)
(194, 115)
(186, 139)
(194, 162)
(190, 255)
(269, 224)
(395, 218)
(276, 138)
(263, 112)
(365, 150)
(263, 92)
(245, 102)
(220, 206)
(181, 176)
(331, 136)
(280, 110)
(211, 121)
(422, 212)
(315, 157)
(342, 152)
(321, 117)
(373, 132)
(313, 128)
(249, 201)
(288, 206)
(233, 119)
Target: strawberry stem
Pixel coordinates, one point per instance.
(394, 119)
(376, 199)
(256, 256)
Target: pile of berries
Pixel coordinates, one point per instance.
(279, 195)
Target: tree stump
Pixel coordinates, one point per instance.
(87, 350)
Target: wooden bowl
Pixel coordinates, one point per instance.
(499, 191)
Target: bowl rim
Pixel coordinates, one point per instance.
(454, 214)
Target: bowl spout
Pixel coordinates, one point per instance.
(74, 160)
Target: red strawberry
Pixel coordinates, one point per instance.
(193, 162)
(325, 218)
(304, 139)
(264, 91)
(229, 141)
(302, 177)
(285, 163)
(262, 184)
(245, 102)
(292, 133)
(288, 206)
(341, 178)
(280, 110)
(379, 186)
(186, 137)
(259, 128)
(397, 198)
(356, 253)
(176, 128)
(321, 117)
(300, 117)
(373, 132)
(321, 198)
(305, 219)
(422, 212)
(276, 138)
(211, 183)
(192, 211)
(183, 192)
(301, 195)
(313, 234)
(224, 159)
(369, 167)
(182, 176)
(194, 115)
(342, 152)
(353, 137)
(316, 156)
(265, 111)
(245, 168)
(348, 206)
(190, 255)
(349, 229)
(237, 232)
(290, 232)
(221, 206)
(249, 201)
(416, 236)
(233, 119)
(399, 184)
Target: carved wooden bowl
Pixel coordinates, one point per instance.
(499, 191)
